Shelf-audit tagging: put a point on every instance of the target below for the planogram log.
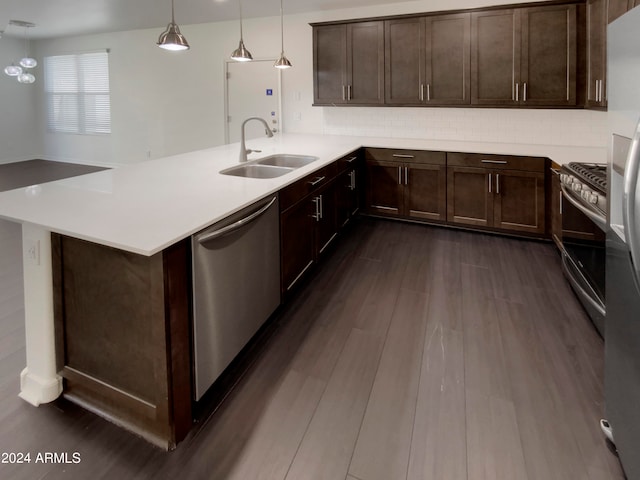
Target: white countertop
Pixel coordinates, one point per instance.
(145, 207)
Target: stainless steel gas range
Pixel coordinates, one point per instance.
(584, 222)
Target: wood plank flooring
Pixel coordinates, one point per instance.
(414, 352)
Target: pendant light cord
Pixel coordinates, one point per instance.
(240, 9)
(281, 28)
(173, 19)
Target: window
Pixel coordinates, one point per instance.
(77, 92)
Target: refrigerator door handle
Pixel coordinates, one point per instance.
(629, 203)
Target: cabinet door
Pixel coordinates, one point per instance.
(404, 61)
(384, 194)
(447, 65)
(617, 8)
(519, 201)
(365, 62)
(296, 242)
(324, 202)
(548, 63)
(596, 52)
(495, 57)
(347, 196)
(330, 64)
(425, 194)
(469, 196)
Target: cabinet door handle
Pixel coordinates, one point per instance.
(428, 92)
(490, 183)
(406, 175)
(497, 183)
(501, 162)
(402, 155)
(321, 207)
(422, 92)
(344, 95)
(597, 89)
(316, 203)
(352, 177)
(348, 92)
(517, 92)
(524, 92)
(352, 159)
(316, 181)
(602, 90)
(399, 175)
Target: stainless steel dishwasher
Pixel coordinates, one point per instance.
(236, 286)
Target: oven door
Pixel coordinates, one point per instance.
(583, 257)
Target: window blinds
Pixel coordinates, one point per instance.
(77, 92)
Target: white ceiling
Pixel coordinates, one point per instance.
(59, 18)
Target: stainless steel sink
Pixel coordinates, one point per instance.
(287, 160)
(253, 170)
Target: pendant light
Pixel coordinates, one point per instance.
(27, 61)
(282, 62)
(171, 38)
(20, 72)
(241, 54)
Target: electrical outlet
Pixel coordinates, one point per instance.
(32, 251)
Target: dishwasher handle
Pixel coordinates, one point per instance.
(236, 225)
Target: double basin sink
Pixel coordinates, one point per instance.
(270, 167)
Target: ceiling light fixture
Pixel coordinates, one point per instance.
(282, 62)
(241, 54)
(20, 72)
(171, 38)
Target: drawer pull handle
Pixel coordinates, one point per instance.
(352, 159)
(402, 155)
(501, 162)
(316, 181)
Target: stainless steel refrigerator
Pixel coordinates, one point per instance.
(622, 333)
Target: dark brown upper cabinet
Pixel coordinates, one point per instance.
(524, 56)
(597, 53)
(348, 63)
(427, 60)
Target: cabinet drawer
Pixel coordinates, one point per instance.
(507, 162)
(406, 156)
(295, 192)
(348, 161)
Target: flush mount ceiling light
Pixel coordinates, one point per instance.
(171, 38)
(20, 72)
(282, 62)
(241, 54)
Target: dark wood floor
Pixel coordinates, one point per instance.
(414, 353)
(30, 172)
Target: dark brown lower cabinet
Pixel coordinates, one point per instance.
(469, 200)
(406, 183)
(123, 335)
(498, 192)
(313, 210)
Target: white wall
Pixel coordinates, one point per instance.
(18, 135)
(164, 103)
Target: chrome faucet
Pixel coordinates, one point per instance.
(243, 149)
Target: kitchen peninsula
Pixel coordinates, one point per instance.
(143, 214)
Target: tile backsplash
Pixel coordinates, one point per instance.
(530, 126)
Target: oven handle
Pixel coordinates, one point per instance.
(598, 219)
(629, 202)
(577, 283)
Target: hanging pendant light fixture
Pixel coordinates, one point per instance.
(27, 61)
(282, 62)
(171, 38)
(20, 72)
(241, 54)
